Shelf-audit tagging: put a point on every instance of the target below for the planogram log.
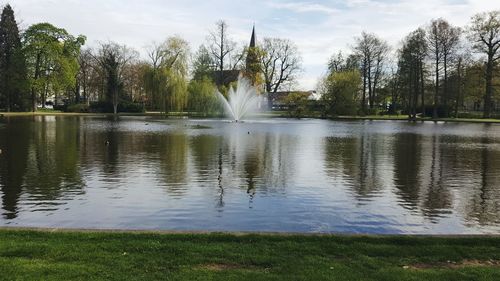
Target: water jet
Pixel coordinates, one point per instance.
(240, 102)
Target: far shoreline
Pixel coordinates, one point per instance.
(268, 114)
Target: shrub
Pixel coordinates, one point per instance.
(124, 106)
(340, 92)
(77, 108)
(130, 107)
(297, 104)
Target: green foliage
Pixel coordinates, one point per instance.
(254, 68)
(202, 64)
(123, 107)
(78, 108)
(14, 85)
(165, 79)
(203, 97)
(297, 104)
(340, 92)
(52, 56)
(177, 92)
(130, 107)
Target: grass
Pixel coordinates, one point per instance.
(67, 255)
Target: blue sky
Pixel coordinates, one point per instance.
(319, 28)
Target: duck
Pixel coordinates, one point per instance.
(106, 143)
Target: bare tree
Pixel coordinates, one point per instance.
(434, 38)
(411, 70)
(281, 62)
(112, 59)
(443, 40)
(221, 48)
(372, 52)
(85, 61)
(484, 33)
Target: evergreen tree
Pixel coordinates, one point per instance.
(13, 72)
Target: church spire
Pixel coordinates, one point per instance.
(253, 40)
(252, 71)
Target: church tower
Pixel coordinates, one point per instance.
(253, 67)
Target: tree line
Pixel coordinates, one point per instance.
(440, 70)
(46, 61)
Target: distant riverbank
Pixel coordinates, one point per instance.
(118, 255)
(270, 114)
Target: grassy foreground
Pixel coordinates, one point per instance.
(66, 255)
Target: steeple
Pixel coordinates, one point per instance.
(253, 40)
(252, 71)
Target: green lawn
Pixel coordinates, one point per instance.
(60, 255)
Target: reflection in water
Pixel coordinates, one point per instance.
(407, 165)
(277, 175)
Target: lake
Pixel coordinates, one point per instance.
(270, 175)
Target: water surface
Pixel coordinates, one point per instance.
(262, 175)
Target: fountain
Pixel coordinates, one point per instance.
(240, 101)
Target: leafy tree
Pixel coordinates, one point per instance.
(52, 56)
(474, 85)
(203, 97)
(484, 33)
(297, 104)
(13, 72)
(340, 92)
(203, 64)
(253, 70)
(166, 78)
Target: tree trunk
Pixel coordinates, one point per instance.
(459, 86)
(436, 90)
(445, 86)
(36, 76)
(363, 99)
(370, 86)
(269, 96)
(489, 85)
(422, 87)
(7, 94)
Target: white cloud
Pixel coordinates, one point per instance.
(303, 7)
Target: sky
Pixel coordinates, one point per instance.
(319, 28)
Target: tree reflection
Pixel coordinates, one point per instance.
(437, 200)
(41, 159)
(14, 138)
(407, 163)
(173, 157)
(355, 160)
(53, 159)
(484, 204)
